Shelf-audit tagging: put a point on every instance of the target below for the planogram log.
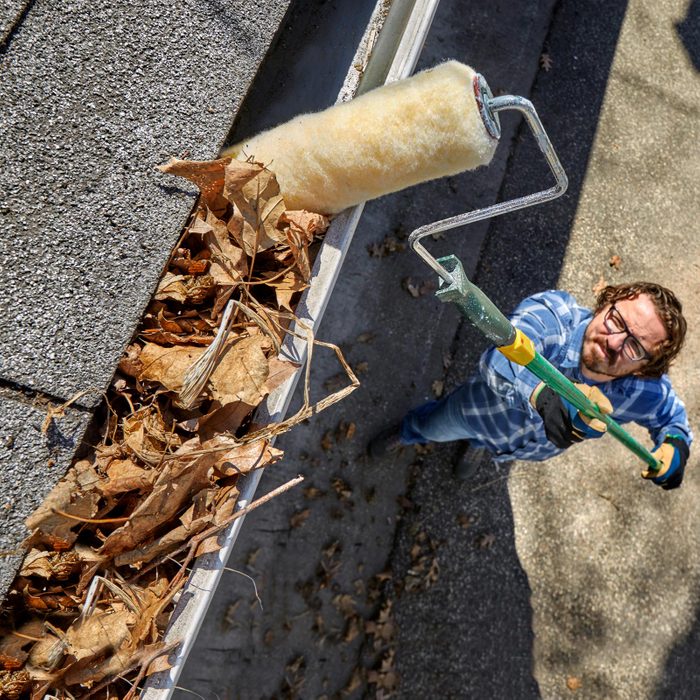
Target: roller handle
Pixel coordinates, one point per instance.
(489, 107)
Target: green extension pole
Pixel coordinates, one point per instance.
(516, 346)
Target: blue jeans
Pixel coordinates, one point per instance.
(438, 421)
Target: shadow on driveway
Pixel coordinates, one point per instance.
(470, 635)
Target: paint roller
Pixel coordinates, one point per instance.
(431, 125)
(439, 122)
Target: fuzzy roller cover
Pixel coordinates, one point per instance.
(425, 127)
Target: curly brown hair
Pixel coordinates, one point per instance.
(670, 313)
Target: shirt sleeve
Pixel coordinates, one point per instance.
(663, 413)
(547, 320)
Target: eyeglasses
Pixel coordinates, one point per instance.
(631, 347)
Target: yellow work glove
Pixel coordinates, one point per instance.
(590, 427)
(564, 424)
(673, 455)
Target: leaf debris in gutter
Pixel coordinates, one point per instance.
(110, 547)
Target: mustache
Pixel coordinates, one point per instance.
(611, 354)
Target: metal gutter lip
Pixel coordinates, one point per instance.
(388, 51)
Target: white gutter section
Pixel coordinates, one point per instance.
(388, 51)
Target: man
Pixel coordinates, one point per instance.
(618, 355)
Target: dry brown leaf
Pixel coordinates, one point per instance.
(14, 684)
(155, 335)
(106, 454)
(286, 287)
(411, 287)
(355, 681)
(301, 229)
(199, 289)
(229, 263)
(300, 250)
(327, 441)
(573, 683)
(156, 548)
(172, 286)
(352, 629)
(159, 665)
(178, 481)
(13, 647)
(130, 363)
(257, 199)
(345, 431)
(123, 660)
(36, 563)
(279, 371)
(237, 174)
(150, 601)
(299, 518)
(294, 678)
(235, 226)
(342, 489)
(241, 459)
(123, 475)
(46, 654)
(615, 262)
(345, 604)
(465, 521)
(546, 62)
(209, 544)
(86, 641)
(48, 565)
(226, 419)
(199, 513)
(185, 288)
(438, 387)
(182, 260)
(167, 324)
(307, 223)
(146, 435)
(75, 494)
(312, 493)
(207, 175)
(241, 371)
(225, 503)
(42, 599)
(102, 631)
(167, 366)
(485, 540)
(390, 244)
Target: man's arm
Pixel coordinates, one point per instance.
(662, 412)
(547, 319)
(667, 422)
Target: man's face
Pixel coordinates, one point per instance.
(606, 353)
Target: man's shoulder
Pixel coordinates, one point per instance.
(649, 388)
(556, 296)
(561, 304)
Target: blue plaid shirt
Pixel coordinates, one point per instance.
(494, 405)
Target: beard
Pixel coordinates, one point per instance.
(592, 361)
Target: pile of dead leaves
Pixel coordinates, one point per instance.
(111, 545)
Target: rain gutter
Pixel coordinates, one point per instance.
(388, 51)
